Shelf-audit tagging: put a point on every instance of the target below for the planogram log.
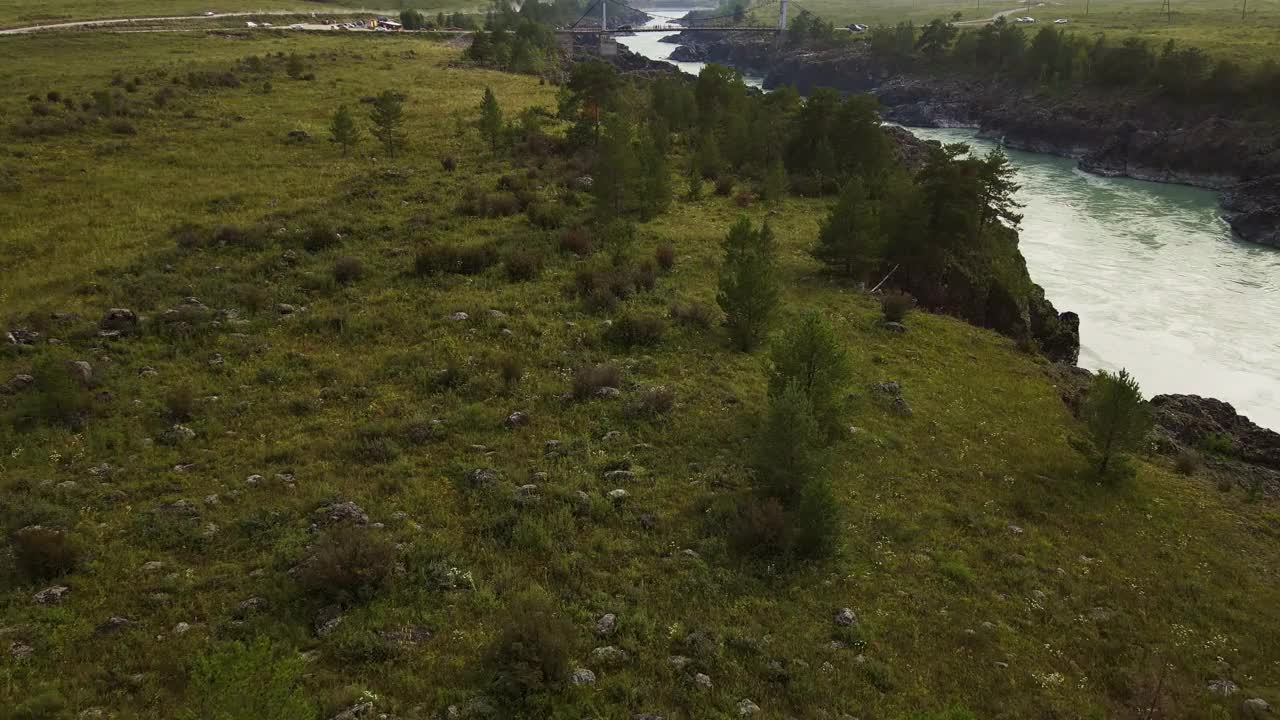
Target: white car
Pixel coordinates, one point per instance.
(1025, 19)
(208, 13)
(858, 27)
(1061, 21)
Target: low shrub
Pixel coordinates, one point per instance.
(241, 681)
(635, 329)
(441, 259)
(319, 236)
(589, 379)
(449, 163)
(697, 314)
(180, 403)
(43, 553)
(530, 656)
(349, 564)
(511, 370)
(645, 276)
(56, 398)
(895, 305)
(347, 269)
(744, 198)
(545, 216)
(724, 185)
(576, 240)
(477, 203)
(122, 126)
(522, 265)
(650, 403)
(665, 256)
(1188, 462)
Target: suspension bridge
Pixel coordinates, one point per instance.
(604, 28)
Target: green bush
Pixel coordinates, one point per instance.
(650, 403)
(349, 564)
(56, 398)
(248, 682)
(588, 379)
(319, 236)
(43, 553)
(523, 265)
(1118, 422)
(665, 256)
(809, 354)
(636, 329)
(347, 270)
(895, 305)
(530, 657)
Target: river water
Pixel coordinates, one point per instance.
(1161, 285)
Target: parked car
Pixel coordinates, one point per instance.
(857, 27)
(1061, 21)
(208, 13)
(1026, 19)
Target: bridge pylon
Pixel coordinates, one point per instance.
(782, 17)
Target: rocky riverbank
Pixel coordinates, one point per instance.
(1108, 134)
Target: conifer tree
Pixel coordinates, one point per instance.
(343, 130)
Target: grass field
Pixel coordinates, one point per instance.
(985, 571)
(1216, 25)
(14, 13)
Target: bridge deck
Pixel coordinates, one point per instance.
(665, 29)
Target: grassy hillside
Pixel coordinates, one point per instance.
(1215, 25)
(986, 572)
(15, 13)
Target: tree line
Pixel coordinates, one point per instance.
(1057, 58)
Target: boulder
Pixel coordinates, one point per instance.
(582, 676)
(51, 595)
(119, 320)
(608, 655)
(607, 625)
(343, 512)
(846, 618)
(17, 384)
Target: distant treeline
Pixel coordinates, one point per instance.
(1054, 57)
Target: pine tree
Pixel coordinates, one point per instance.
(655, 180)
(490, 118)
(748, 290)
(343, 129)
(996, 175)
(617, 168)
(388, 121)
(850, 237)
(708, 154)
(786, 451)
(775, 183)
(693, 175)
(1117, 418)
(811, 357)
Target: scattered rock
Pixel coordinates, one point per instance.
(679, 662)
(298, 136)
(181, 628)
(1223, 688)
(176, 435)
(152, 566)
(648, 521)
(608, 655)
(619, 476)
(553, 449)
(607, 625)
(253, 480)
(702, 681)
(483, 477)
(343, 512)
(618, 495)
(327, 620)
(582, 676)
(901, 406)
(119, 321)
(405, 636)
(20, 651)
(846, 618)
(253, 605)
(81, 371)
(114, 624)
(516, 419)
(358, 710)
(894, 327)
(611, 436)
(1255, 707)
(17, 384)
(51, 595)
(746, 708)
(285, 309)
(609, 393)
(459, 317)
